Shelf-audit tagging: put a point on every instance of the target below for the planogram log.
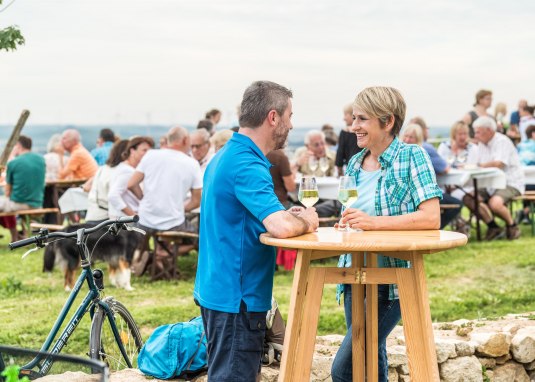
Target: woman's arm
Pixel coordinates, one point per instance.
(426, 217)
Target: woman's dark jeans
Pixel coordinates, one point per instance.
(389, 315)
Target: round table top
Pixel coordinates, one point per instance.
(330, 239)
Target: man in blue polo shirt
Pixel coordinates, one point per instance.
(235, 271)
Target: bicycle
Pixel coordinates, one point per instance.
(116, 343)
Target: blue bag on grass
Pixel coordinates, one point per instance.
(175, 350)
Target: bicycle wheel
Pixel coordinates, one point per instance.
(103, 345)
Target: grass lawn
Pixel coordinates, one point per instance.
(476, 281)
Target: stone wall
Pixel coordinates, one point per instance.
(467, 351)
(477, 351)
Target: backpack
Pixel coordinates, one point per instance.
(175, 350)
(274, 339)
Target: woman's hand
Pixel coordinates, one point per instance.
(356, 218)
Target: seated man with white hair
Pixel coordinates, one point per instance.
(307, 159)
(496, 150)
(315, 159)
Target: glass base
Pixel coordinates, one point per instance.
(347, 228)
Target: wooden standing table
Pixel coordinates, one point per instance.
(307, 291)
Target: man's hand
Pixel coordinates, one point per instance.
(295, 210)
(310, 216)
(303, 158)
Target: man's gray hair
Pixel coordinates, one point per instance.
(259, 99)
(313, 133)
(202, 132)
(485, 121)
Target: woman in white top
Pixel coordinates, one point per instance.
(121, 201)
(97, 209)
(459, 148)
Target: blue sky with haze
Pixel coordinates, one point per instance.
(167, 62)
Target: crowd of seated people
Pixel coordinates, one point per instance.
(111, 165)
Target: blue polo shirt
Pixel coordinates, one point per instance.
(237, 196)
(102, 153)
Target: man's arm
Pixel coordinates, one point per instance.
(7, 190)
(283, 224)
(194, 201)
(439, 164)
(495, 163)
(65, 171)
(134, 184)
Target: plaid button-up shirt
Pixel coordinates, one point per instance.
(407, 180)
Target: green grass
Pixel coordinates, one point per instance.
(475, 281)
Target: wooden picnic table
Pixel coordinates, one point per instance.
(52, 194)
(308, 285)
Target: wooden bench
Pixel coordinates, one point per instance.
(449, 207)
(26, 214)
(51, 227)
(172, 242)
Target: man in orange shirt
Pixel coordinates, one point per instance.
(81, 164)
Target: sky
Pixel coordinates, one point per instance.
(169, 61)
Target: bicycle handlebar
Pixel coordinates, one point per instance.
(87, 231)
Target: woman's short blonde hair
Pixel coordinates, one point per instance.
(221, 137)
(417, 130)
(500, 108)
(383, 102)
(458, 126)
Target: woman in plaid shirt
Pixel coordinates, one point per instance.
(397, 190)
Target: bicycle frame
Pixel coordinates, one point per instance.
(91, 300)
(95, 365)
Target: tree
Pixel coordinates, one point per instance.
(10, 37)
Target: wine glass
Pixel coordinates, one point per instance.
(308, 191)
(312, 163)
(324, 165)
(461, 158)
(451, 159)
(347, 195)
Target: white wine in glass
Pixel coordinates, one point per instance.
(324, 165)
(347, 195)
(312, 163)
(308, 191)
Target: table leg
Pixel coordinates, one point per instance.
(372, 347)
(531, 217)
(309, 325)
(358, 325)
(476, 211)
(288, 368)
(416, 317)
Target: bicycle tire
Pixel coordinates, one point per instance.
(102, 341)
